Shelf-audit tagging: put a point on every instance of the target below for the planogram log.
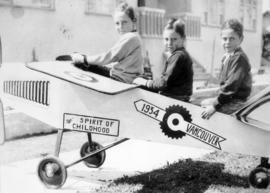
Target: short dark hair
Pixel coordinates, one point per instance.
(178, 25)
(128, 10)
(235, 25)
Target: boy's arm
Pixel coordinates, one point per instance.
(161, 82)
(120, 50)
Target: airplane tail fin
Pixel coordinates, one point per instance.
(0, 52)
(2, 124)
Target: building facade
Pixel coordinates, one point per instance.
(43, 29)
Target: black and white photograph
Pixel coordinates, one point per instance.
(134, 96)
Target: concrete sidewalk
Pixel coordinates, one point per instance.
(129, 158)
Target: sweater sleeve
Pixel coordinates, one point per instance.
(119, 51)
(160, 83)
(236, 75)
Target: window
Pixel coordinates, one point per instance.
(141, 3)
(5, 2)
(248, 14)
(213, 13)
(42, 4)
(104, 7)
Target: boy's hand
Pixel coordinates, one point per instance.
(140, 81)
(208, 112)
(77, 58)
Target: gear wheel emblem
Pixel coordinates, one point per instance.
(173, 117)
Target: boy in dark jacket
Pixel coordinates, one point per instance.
(235, 77)
(177, 76)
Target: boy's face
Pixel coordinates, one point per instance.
(172, 40)
(123, 23)
(230, 40)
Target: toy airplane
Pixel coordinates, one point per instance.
(69, 98)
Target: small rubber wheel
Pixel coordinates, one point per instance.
(96, 160)
(259, 178)
(52, 172)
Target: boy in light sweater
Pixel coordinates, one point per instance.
(126, 54)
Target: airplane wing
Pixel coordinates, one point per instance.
(68, 72)
(69, 98)
(34, 88)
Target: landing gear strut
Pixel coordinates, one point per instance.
(53, 173)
